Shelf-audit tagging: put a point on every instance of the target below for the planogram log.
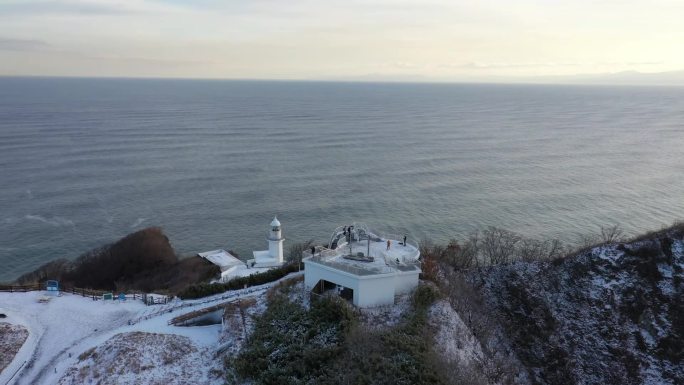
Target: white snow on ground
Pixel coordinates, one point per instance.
(145, 358)
(66, 326)
(12, 338)
(453, 338)
(388, 315)
(238, 324)
(58, 324)
(242, 271)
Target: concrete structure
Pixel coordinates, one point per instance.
(274, 255)
(224, 260)
(359, 265)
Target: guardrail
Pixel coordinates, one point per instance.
(15, 372)
(180, 305)
(396, 237)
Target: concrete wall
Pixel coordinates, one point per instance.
(406, 282)
(376, 290)
(314, 272)
(369, 291)
(275, 250)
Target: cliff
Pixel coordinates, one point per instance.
(613, 314)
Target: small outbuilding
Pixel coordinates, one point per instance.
(223, 259)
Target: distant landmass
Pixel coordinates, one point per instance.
(670, 78)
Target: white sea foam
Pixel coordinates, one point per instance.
(53, 221)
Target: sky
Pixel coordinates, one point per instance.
(340, 39)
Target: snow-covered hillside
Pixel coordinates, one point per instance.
(12, 338)
(75, 340)
(145, 358)
(611, 315)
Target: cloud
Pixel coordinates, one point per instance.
(23, 45)
(87, 8)
(526, 65)
(144, 61)
(477, 65)
(43, 47)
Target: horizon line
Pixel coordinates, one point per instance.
(353, 80)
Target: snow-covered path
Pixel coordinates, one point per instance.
(27, 349)
(66, 326)
(56, 325)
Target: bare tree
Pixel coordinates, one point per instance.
(534, 250)
(612, 234)
(470, 251)
(461, 257)
(556, 249)
(495, 366)
(530, 250)
(294, 252)
(498, 245)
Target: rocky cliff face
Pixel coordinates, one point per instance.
(613, 314)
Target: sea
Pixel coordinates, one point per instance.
(84, 162)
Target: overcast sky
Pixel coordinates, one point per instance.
(337, 39)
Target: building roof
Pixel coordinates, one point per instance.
(221, 258)
(399, 258)
(275, 222)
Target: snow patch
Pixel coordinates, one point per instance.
(145, 358)
(453, 339)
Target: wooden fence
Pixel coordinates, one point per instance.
(20, 288)
(89, 293)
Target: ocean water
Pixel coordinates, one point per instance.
(85, 161)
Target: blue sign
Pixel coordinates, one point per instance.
(122, 297)
(52, 287)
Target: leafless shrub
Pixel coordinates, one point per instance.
(463, 256)
(294, 252)
(498, 245)
(534, 250)
(612, 234)
(492, 246)
(454, 254)
(494, 367)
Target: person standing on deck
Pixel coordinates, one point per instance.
(389, 243)
(404, 240)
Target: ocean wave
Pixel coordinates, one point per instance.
(138, 222)
(54, 221)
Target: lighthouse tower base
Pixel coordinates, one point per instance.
(272, 257)
(263, 259)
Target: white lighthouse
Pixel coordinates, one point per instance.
(274, 255)
(275, 241)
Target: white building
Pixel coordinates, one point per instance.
(361, 267)
(224, 260)
(274, 255)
